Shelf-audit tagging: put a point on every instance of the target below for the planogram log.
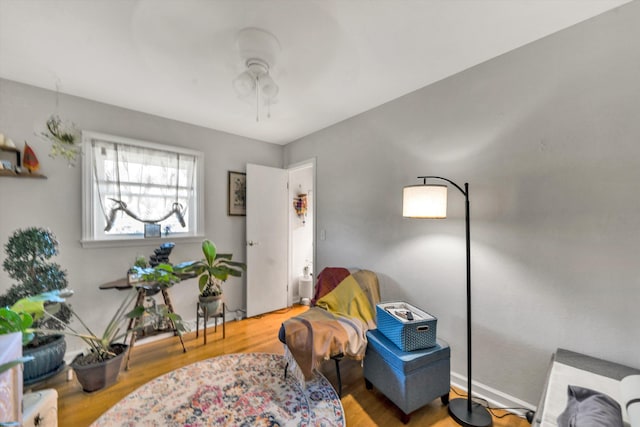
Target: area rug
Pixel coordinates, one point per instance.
(244, 389)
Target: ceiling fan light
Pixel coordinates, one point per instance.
(244, 84)
(257, 49)
(268, 87)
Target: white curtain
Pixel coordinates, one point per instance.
(139, 185)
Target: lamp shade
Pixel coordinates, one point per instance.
(424, 201)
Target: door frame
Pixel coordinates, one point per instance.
(292, 168)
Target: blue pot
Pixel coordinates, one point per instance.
(48, 360)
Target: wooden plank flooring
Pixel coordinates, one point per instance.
(259, 334)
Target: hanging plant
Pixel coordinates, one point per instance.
(65, 139)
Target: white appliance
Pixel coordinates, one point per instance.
(306, 289)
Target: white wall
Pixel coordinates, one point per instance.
(548, 136)
(56, 202)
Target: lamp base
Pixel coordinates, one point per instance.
(478, 417)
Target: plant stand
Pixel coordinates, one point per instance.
(201, 311)
(133, 323)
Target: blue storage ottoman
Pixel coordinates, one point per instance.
(409, 379)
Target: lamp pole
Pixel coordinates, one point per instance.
(466, 413)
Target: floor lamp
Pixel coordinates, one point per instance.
(430, 201)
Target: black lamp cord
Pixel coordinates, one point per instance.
(491, 409)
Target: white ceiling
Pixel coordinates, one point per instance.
(339, 58)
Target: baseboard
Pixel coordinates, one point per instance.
(496, 398)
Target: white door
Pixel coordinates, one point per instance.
(267, 239)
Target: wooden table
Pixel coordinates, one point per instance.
(144, 289)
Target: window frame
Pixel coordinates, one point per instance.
(90, 238)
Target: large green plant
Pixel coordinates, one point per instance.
(214, 269)
(10, 322)
(100, 345)
(28, 253)
(162, 275)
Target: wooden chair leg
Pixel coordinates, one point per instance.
(339, 378)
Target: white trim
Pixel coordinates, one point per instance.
(496, 398)
(123, 243)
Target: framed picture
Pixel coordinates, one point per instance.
(237, 197)
(151, 230)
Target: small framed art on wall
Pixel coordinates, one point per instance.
(237, 202)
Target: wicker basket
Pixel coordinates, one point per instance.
(395, 323)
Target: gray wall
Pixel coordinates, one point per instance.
(56, 202)
(548, 136)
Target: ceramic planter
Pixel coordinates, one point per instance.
(212, 304)
(100, 375)
(48, 360)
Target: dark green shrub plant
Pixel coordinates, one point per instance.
(28, 262)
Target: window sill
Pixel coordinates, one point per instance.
(124, 243)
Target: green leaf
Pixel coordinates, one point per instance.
(31, 305)
(202, 282)
(209, 250)
(10, 321)
(165, 267)
(136, 312)
(235, 273)
(9, 365)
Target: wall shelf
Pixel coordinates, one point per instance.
(13, 174)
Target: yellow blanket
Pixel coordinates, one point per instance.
(337, 325)
(348, 300)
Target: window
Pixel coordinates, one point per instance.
(129, 183)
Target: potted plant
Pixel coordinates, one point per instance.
(28, 253)
(213, 270)
(99, 365)
(154, 280)
(64, 139)
(11, 322)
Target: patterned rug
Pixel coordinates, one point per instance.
(232, 390)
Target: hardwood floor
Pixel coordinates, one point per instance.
(260, 334)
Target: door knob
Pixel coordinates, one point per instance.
(251, 243)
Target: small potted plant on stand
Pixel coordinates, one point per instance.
(28, 253)
(213, 270)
